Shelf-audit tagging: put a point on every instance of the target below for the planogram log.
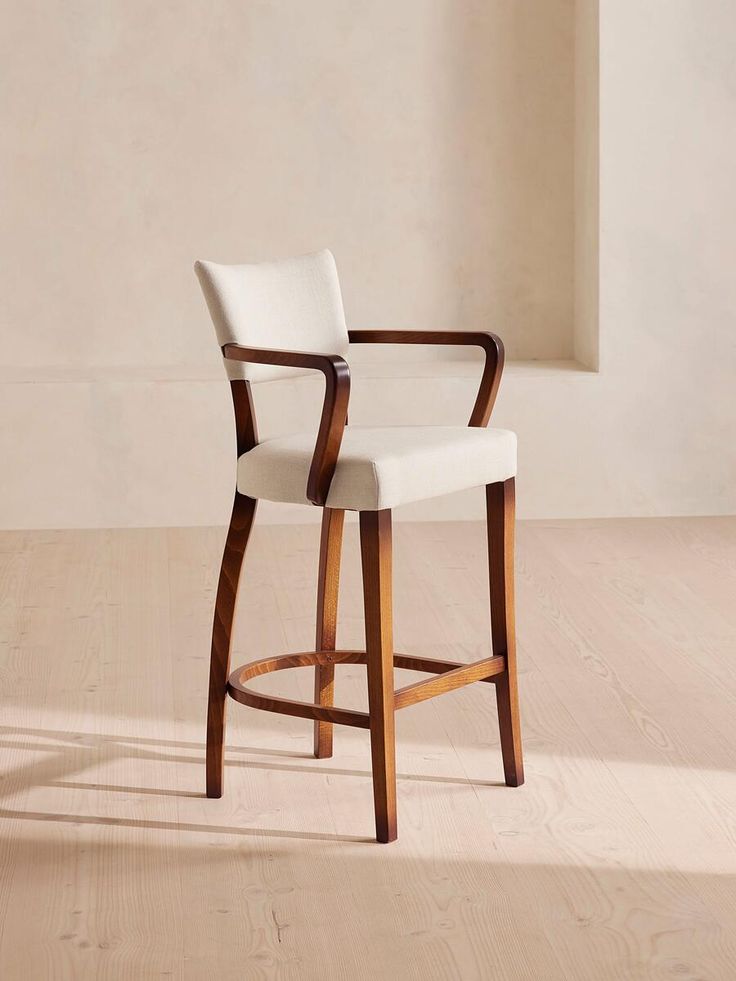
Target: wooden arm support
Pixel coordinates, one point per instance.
(491, 344)
(334, 409)
(337, 386)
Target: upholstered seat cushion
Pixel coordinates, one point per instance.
(382, 467)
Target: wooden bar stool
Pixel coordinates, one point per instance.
(271, 318)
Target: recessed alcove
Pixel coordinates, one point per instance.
(497, 221)
(446, 152)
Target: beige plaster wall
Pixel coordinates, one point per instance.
(586, 326)
(427, 142)
(652, 433)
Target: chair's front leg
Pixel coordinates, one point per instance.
(500, 511)
(241, 523)
(375, 546)
(328, 584)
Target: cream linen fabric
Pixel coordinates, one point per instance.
(382, 467)
(290, 304)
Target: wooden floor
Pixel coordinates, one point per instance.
(616, 860)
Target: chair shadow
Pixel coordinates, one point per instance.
(116, 822)
(67, 752)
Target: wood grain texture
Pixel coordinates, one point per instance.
(614, 861)
(491, 344)
(500, 510)
(246, 428)
(434, 665)
(328, 588)
(483, 670)
(376, 556)
(330, 714)
(334, 408)
(241, 523)
(451, 675)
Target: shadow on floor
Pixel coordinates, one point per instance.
(66, 753)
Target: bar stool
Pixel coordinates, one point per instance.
(271, 319)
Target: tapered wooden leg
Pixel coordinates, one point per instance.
(500, 511)
(241, 523)
(375, 546)
(327, 592)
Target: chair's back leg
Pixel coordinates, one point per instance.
(328, 584)
(500, 511)
(241, 523)
(375, 546)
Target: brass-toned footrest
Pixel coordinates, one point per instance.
(449, 676)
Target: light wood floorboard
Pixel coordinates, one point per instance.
(615, 862)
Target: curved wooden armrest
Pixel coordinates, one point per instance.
(491, 344)
(334, 409)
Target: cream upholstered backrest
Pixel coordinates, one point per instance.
(288, 304)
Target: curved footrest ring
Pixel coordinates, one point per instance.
(287, 706)
(450, 675)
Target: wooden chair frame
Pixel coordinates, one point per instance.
(375, 539)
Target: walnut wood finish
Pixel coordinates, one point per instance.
(246, 431)
(375, 546)
(334, 409)
(452, 675)
(241, 523)
(491, 344)
(457, 677)
(328, 584)
(375, 537)
(413, 662)
(287, 706)
(500, 512)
